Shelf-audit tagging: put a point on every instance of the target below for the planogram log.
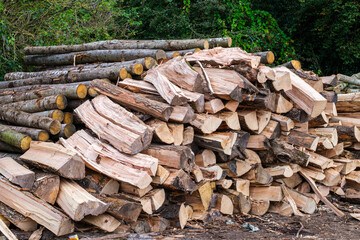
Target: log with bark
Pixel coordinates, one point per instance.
(14, 138)
(41, 104)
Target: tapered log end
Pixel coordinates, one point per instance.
(149, 62)
(68, 118)
(25, 143)
(138, 69)
(296, 64)
(270, 57)
(43, 136)
(81, 91)
(58, 115)
(92, 92)
(229, 41)
(160, 54)
(69, 130)
(206, 44)
(123, 73)
(61, 102)
(55, 127)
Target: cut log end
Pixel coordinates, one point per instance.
(81, 91)
(123, 73)
(55, 127)
(43, 136)
(270, 57)
(69, 130)
(61, 101)
(160, 54)
(68, 118)
(25, 143)
(150, 62)
(296, 64)
(58, 115)
(92, 92)
(206, 44)
(138, 69)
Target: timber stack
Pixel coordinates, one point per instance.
(144, 135)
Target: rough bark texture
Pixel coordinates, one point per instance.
(41, 104)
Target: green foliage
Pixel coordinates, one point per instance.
(252, 30)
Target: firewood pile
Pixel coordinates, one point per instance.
(121, 135)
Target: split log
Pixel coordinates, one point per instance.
(258, 176)
(78, 203)
(236, 168)
(19, 220)
(177, 131)
(293, 64)
(266, 57)
(220, 85)
(46, 186)
(206, 123)
(248, 120)
(232, 105)
(105, 222)
(214, 106)
(130, 142)
(221, 141)
(348, 102)
(30, 120)
(349, 165)
(55, 114)
(133, 101)
(302, 140)
(332, 177)
(319, 121)
(347, 133)
(230, 121)
(330, 80)
(98, 183)
(259, 208)
(55, 158)
(258, 142)
(38, 210)
(314, 173)
(282, 208)
(263, 118)
(330, 96)
(16, 173)
(272, 130)
(347, 121)
(121, 207)
(225, 57)
(161, 175)
(272, 193)
(94, 56)
(205, 159)
(178, 157)
(161, 131)
(182, 114)
(330, 109)
(188, 135)
(280, 171)
(292, 181)
(304, 203)
(224, 204)
(35, 134)
(133, 169)
(132, 44)
(282, 104)
(286, 153)
(318, 160)
(127, 188)
(179, 180)
(157, 223)
(14, 138)
(336, 151)
(212, 173)
(260, 101)
(6, 231)
(119, 115)
(242, 186)
(298, 115)
(224, 183)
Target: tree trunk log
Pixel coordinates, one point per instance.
(41, 104)
(266, 57)
(54, 114)
(34, 133)
(14, 138)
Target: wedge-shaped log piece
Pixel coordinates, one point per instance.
(273, 193)
(46, 186)
(286, 123)
(225, 56)
(272, 130)
(179, 180)
(99, 183)
(302, 140)
(348, 102)
(206, 123)
(127, 188)
(182, 114)
(19, 220)
(304, 203)
(280, 171)
(330, 133)
(332, 177)
(236, 168)
(260, 101)
(282, 104)
(120, 116)
(248, 120)
(224, 204)
(259, 207)
(221, 141)
(132, 100)
(167, 90)
(77, 202)
(178, 157)
(161, 131)
(232, 105)
(129, 142)
(177, 131)
(212, 173)
(230, 121)
(55, 158)
(104, 221)
(38, 210)
(30, 120)
(347, 133)
(133, 169)
(258, 142)
(205, 158)
(16, 173)
(213, 106)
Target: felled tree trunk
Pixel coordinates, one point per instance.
(14, 138)
(34, 133)
(41, 104)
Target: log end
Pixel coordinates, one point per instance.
(206, 44)
(43, 136)
(123, 73)
(25, 143)
(61, 102)
(229, 41)
(160, 54)
(68, 118)
(58, 115)
(81, 91)
(150, 62)
(197, 50)
(138, 69)
(92, 92)
(176, 54)
(270, 57)
(295, 64)
(55, 127)
(69, 130)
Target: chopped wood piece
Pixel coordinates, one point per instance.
(332, 177)
(347, 133)
(188, 136)
(157, 197)
(132, 100)
(38, 210)
(78, 203)
(336, 151)
(292, 181)
(14, 138)
(273, 193)
(161, 131)
(157, 223)
(224, 204)
(182, 114)
(320, 121)
(104, 221)
(348, 102)
(298, 115)
(127, 188)
(46, 186)
(280, 171)
(213, 106)
(177, 131)
(97, 183)
(329, 80)
(122, 207)
(318, 160)
(304, 203)
(179, 180)
(16, 173)
(286, 123)
(314, 173)
(248, 120)
(55, 158)
(283, 208)
(258, 142)
(329, 133)
(19, 220)
(330, 109)
(232, 105)
(6, 231)
(259, 207)
(205, 158)
(302, 140)
(266, 57)
(179, 157)
(263, 118)
(35, 134)
(242, 186)
(212, 173)
(258, 175)
(272, 130)
(103, 158)
(265, 101)
(221, 141)
(282, 104)
(349, 165)
(287, 153)
(224, 183)
(281, 80)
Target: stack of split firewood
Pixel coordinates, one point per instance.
(198, 132)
